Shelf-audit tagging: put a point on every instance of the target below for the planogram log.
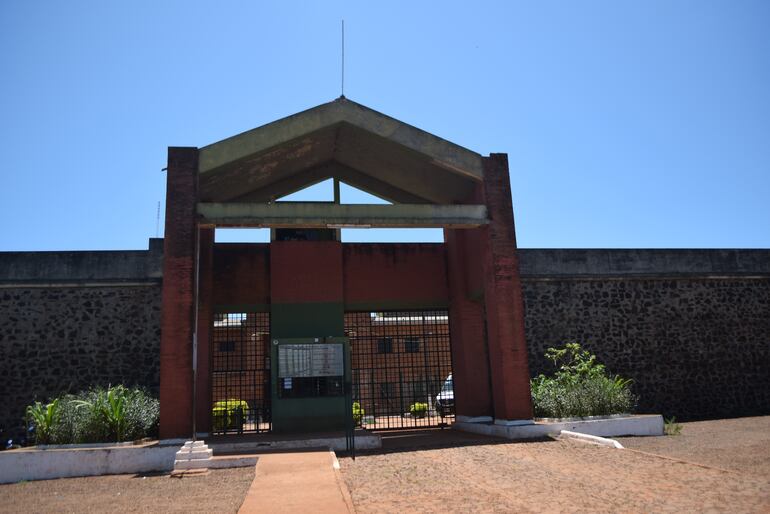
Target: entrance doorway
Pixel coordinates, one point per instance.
(240, 373)
(401, 368)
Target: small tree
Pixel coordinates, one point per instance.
(580, 387)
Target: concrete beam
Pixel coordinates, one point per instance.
(322, 215)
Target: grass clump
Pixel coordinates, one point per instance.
(580, 387)
(671, 427)
(98, 415)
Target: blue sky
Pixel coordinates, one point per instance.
(627, 124)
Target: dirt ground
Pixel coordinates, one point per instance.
(219, 491)
(741, 444)
(564, 476)
(716, 466)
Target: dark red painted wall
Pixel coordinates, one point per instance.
(410, 273)
(306, 271)
(241, 274)
(395, 272)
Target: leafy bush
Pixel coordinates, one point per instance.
(105, 409)
(358, 413)
(45, 419)
(418, 409)
(580, 387)
(99, 415)
(228, 413)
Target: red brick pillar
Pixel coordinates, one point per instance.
(502, 298)
(205, 321)
(177, 315)
(470, 361)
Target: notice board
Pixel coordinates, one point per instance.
(310, 360)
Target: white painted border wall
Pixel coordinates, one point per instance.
(34, 464)
(640, 425)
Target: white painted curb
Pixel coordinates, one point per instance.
(335, 462)
(636, 425)
(591, 439)
(34, 464)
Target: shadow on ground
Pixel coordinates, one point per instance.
(394, 441)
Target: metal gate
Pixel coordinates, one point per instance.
(240, 373)
(401, 368)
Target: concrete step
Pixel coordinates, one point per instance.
(195, 454)
(191, 464)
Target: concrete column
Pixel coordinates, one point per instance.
(177, 315)
(205, 320)
(306, 289)
(503, 300)
(307, 301)
(470, 360)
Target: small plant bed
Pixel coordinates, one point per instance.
(229, 414)
(358, 414)
(580, 388)
(418, 409)
(98, 415)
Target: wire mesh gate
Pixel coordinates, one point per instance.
(401, 368)
(240, 373)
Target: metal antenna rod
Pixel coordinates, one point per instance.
(342, 91)
(157, 221)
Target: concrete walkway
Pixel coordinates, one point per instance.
(297, 482)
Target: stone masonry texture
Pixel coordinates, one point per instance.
(695, 347)
(690, 327)
(65, 339)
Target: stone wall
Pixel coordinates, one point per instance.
(690, 327)
(70, 320)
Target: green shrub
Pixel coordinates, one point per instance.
(580, 387)
(106, 409)
(101, 415)
(44, 418)
(358, 413)
(228, 413)
(114, 414)
(418, 409)
(142, 414)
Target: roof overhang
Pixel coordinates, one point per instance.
(341, 139)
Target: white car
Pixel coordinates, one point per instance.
(445, 400)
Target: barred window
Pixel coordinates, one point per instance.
(385, 345)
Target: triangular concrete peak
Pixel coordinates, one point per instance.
(340, 111)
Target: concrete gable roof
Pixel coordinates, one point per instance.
(340, 139)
